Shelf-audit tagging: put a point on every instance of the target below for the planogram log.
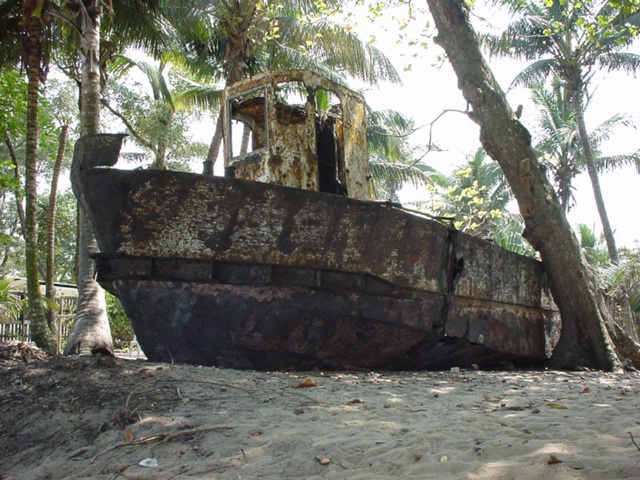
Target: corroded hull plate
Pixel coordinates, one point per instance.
(241, 274)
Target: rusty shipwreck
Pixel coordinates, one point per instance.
(287, 263)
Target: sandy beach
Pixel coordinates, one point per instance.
(82, 418)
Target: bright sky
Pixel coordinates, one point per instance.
(429, 89)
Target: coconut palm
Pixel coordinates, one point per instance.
(559, 141)
(129, 22)
(569, 39)
(392, 159)
(231, 40)
(26, 28)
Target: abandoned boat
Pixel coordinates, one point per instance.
(287, 263)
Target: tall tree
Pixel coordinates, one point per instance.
(571, 39)
(130, 23)
(90, 332)
(248, 37)
(51, 228)
(558, 140)
(584, 340)
(158, 122)
(28, 25)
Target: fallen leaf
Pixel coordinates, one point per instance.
(355, 400)
(417, 457)
(298, 411)
(557, 406)
(128, 435)
(487, 398)
(120, 468)
(586, 390)
(257, 433)
(270, 398)
(553, 460)
(307, 382)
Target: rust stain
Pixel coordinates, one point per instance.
(295, 144)
(246, 272)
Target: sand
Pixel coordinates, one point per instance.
(78, 418)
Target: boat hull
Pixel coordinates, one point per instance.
(242, 274)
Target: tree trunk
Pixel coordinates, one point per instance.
(214, 148)
(40, 331)
(16, 174)
(91, 332)
(576, 103)
(50, 292)
(584, 339)
(234, 68)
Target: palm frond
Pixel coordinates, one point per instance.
(613, 162)
(198, 95)
(399, 173)
(387, 135)
(155, 76)
(534, 73)
(10, 28)
(624, 61)
(354, 57)
(139, 24)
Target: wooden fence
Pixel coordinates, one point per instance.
(22, 331)
(15, 331)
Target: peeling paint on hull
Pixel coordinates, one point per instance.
(242, 274)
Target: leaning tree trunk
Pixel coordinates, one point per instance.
(584, 339)
(576, 103)
(50, 292)
(234, 69)
(40, 331)
(214, 147)
(90, 332)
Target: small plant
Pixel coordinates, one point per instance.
(121, 330)
(10, 304)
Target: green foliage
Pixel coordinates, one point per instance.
(121, 329)
(65, 235)
(10, 304)
(620, 281)
(393, 161)
(558, 140)
(507, 233)
(154, 124)
(623, 279)
(13, 102)
(593, 247)
(476, 195)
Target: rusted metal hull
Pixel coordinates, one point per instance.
(242, 274)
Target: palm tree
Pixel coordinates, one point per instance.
(392, 159)
(27, 24)
(246, 37)
(130, 22)
(559, 141)
(24, 26)
(569, 39)
(90, 332)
